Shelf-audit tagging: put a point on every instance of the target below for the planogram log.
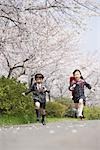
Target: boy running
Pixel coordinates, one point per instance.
(39, 96)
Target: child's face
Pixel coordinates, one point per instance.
(77, 75)
(39, 80)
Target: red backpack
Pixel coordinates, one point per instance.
(71, 81)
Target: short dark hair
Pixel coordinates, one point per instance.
(39, 75)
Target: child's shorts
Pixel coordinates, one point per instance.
(43, 105)
(77, 101)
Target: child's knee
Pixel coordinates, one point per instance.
(37, 105)
(81, 101)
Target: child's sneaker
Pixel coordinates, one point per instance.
(43, 122)
(81, 117)
(38, 119)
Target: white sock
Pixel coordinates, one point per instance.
(80, 109)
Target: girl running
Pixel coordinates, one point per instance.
(77, 84)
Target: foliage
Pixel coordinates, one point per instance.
(92, 113)
(55, 109)
(65, 101)
(18, 109)
(12, 102)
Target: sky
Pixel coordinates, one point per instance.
(90, 38)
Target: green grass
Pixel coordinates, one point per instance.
(15, 120)
(6, 120)
(59, 119)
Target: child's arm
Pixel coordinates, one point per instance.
(45, 89)
(49, 95)
(71, 87)
(28, 91)
(88, 85)
(72, 83)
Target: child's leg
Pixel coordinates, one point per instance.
(43, 113)
(80, 108)
(37, 108)
(76, 109)
(84, 104)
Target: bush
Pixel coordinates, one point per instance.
(55, 109)
(12, 102)
(65, 101)
(68, 103)
(92, 113)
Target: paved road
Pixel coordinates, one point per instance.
(68, 135)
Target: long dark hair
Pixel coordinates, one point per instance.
(79, 72)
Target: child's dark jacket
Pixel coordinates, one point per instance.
(38, 95)
(77, 89)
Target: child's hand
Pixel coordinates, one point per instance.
(93, 90)
(23, 94)
(43, 89)
(74, 85)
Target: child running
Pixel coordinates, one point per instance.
(77, 84)
(39, 96)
